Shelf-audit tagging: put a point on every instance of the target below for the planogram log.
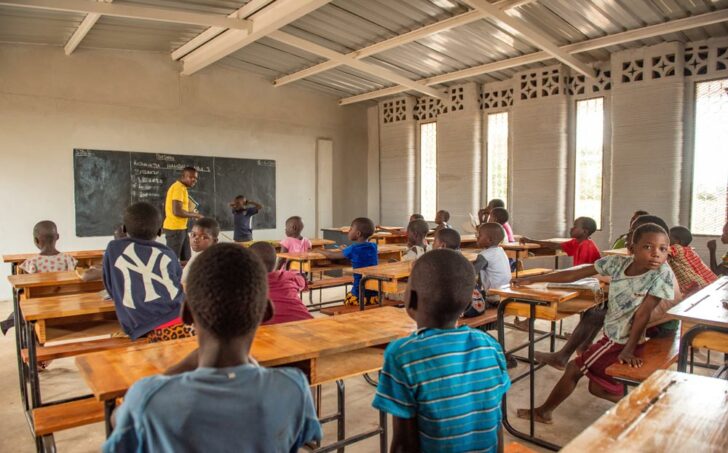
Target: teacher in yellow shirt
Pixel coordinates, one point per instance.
(177, 211)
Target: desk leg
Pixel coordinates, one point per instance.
(531, 371)
(109, 406)
(383, 435)
(341, 422)
(33, 365)
(19, 342)
(687, 340)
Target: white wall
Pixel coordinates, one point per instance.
(134, 101)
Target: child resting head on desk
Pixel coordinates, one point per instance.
(361, 253)
(284, 287)
(446, 239)
(45, 236)
(581, 247)
(416, 240)
(442, 384)
(227, 402)
(638, 283)
(143, 278)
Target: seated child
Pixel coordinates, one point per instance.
(284, 288)
(45, 236)
(722, 267)
(294, 242)
(243, 212)
(95, 272)
(638, 283)
(142, 276)
(581, 247)
(500, 216)
(412, 218)
(492, 269)
(227, 402)
(442, 384)
(204, 235)
(621, 241)
(692, 274)
(361, 253)
(485, 212)
(441, 219)
(592, 320)
(446, 239)
(416, 240)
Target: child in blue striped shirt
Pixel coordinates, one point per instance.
(443, 384)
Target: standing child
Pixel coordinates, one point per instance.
(284, 288)
(722, 267)
(692, 274)
(243, 212)
(501, 216)
(581, 247)
(638, 283)
(143, 277)
(203, 236)
(441, 219)
(442, 384)
(361, 253)
(621, 241)
(45, 236)
(446, 239)
(416, 240)
(228, 402)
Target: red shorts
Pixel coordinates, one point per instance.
(595, 361)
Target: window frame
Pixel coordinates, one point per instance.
(573, 175)
(418, 164)
(486, 151)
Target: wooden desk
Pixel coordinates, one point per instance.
(315, 243)
(109, 374)
(536, 302)
(310, 262)
(669, 411)
(85, 258)
(468, 240)
(705, 319)
(52, 283)
(619, 252)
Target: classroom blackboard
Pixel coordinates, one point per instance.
(106, 182)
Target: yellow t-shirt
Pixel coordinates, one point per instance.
(176, 192)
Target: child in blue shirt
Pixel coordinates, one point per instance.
(361, 253)
(443, 384)
(243, 212)
(143, 277)
(228, 403)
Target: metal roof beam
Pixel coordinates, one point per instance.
(83, 28)
(396, 41)
(275, 16)
(131, 11)
(244, 12)
(700, 20)
(533, 36)
(347, 60)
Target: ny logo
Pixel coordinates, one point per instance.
(146, 270)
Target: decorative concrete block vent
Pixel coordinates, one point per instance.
(661, 62)
(706, 59)
(541, 83)
(578, 86)
(497, 96)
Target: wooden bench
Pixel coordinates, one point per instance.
(57, 417)
(657, 354)
(324, 283)
(531, 273)
(490, 316)
(45, 353)
(515, 447)
(343, 309)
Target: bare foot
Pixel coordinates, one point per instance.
(521, 325)
(550, 359)
(540, 417)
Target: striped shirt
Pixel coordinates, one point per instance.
(452, 381)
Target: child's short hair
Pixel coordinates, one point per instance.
(266, 253)
(142, 221)
(419, 227)
(208, 224)
(364, 225)
(643, 219)
(645, 229)
(227, 290)
(445, 278)
(589, 224)
(417, 217)
(494, 230)
(449, 237)
(496, 203)
(445, 215)
(45, 230)
(295, 221)
(682, 235)
(639, 212)
(500, 215)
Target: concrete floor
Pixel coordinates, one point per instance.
(62, 380)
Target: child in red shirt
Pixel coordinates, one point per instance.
(581, 247)
(284, 288)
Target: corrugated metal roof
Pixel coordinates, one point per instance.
(348, 25)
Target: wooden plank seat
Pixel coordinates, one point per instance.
(343, 309)
(45, 353)
(331, 282)
(490, 316)
(346, 365)
(531, 273)
(657, 354)
(515, 447)
(58, 417)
